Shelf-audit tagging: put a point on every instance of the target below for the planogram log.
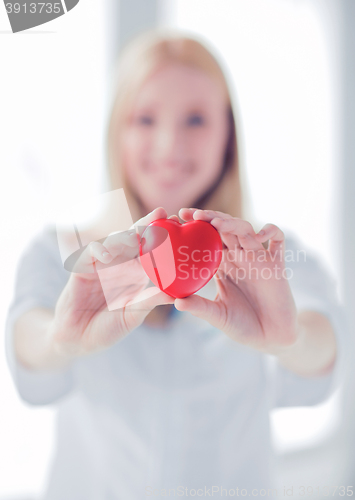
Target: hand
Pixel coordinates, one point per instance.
(82, 323)
(254, 303)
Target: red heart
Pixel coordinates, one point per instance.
(180, 258)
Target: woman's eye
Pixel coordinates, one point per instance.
(145, 120)
(195, 120)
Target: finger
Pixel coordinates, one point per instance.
(120, 282)
(229, 270)
(139, 305)
(146, 300)
(129, 238)
(175, 218)
(94, 252)
(118, 244)
(121, 241)
(208, 215)
(206, 309)
(187, 213)
(214, 216)
(275, 236)
(141, 224)
(231, 241)
(125, 244)
(117, 248)
(242, 229)
(99, 252)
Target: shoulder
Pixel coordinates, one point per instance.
(43, 244)
(41, 256)
(52, 239)
(40, 275)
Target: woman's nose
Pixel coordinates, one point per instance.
(169, 145)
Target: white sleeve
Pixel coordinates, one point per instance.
(40, 278)
(313, 289)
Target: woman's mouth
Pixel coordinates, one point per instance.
(171, 183)
(173, 180)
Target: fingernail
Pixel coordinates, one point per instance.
(104, 254)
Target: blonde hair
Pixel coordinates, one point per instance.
(138, 60)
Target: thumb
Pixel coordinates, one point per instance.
(200, 307)
(149, 298)
(136, 310)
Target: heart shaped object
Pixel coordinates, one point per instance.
(180, 258)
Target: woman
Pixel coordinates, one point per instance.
(157, 400)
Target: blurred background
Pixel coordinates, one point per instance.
(292, 67)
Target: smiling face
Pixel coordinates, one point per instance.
(175, 138)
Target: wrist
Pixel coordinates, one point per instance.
(294, 350)
(315, 350)
(56, 355)
(284, 351)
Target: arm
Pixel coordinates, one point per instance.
(32, 341)
(263, 308)
(50, 338)
(314, 352)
